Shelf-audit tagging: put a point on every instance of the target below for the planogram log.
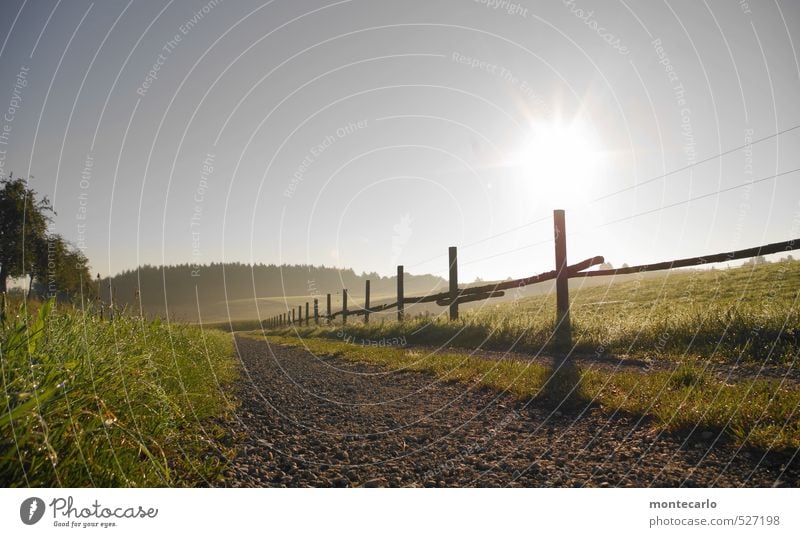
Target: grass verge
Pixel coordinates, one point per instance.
(758, 414)
(87, 402)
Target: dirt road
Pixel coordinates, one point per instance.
(320, 421)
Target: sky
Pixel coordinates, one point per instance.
(368, 134)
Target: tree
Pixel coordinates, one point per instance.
(23, 229)
(606, 266)
(62, 270)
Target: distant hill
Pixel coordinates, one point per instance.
(244, 291)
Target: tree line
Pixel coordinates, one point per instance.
(184, 287)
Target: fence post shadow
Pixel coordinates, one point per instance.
(563, 390)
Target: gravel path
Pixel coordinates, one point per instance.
(322, 422)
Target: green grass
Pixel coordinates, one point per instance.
(87, 402)
(742, 314)
(759, 414)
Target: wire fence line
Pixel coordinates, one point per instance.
(456, 295)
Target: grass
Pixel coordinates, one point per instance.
(745, 314)
(758, 414)
(87, 402)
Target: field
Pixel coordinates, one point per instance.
(744, 314)
(88, 402)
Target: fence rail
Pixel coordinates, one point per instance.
(562, 272)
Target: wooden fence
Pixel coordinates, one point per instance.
(562, 272)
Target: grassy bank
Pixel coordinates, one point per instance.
(88, 402)
(759, 414)
(741, 314)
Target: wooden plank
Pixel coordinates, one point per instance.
(573, 270)
(461, 299)
(774, 248)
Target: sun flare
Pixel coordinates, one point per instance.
(558, 161)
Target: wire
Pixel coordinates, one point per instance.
(507, 252)
(490, 237)
(696, 198)
(673, 172)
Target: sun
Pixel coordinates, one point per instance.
(558, 162)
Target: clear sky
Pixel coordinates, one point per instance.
(371, 133)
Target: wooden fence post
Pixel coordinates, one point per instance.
(366, 302)
(292, 321)
(563, 327)
(453, 255)
(299, 315)
(344, 306)
(306, 313)
(316, 311)
(400, 304)
(329, 308)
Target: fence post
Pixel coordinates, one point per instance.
(366, 302)
(329, 308)
(344, 306)
(299, 315)
(453, 255)
(306, 313)
(563, 327)
(316, 311)
(400, 303)
(292, 321)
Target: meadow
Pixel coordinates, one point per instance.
(91, 402)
